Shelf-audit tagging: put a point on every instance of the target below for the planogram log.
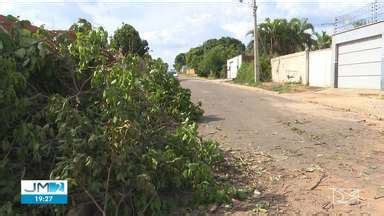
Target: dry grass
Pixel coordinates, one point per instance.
(286, 87)
(373, 95)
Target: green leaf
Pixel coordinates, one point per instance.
(27, 42)
(25, 63)
(42, 49)
(20, 53)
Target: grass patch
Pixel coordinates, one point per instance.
(373, 95)
(285, 87)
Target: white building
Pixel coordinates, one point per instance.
(358, 57)
(233, 65)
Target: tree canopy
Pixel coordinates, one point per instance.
(323, 40)
(127, 40)
(180, 61)
(210, 58)
(280, 37)
(213, 61)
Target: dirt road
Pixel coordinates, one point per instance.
(315, 152)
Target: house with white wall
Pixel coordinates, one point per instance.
(234, 64)
(358, 57)
(311, 68)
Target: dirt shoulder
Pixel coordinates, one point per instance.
(368, 102)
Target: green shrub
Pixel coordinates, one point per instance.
(266, 70)
(246, 74)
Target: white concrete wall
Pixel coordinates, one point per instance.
(359, 37)
(233, 66)
(290, 68)
(320, 68)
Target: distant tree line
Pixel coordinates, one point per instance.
(210, 58)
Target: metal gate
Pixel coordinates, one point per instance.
(360, 63)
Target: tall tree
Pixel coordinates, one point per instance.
(302, 31)
(194, 56)
(82, 25)
(213, 63)
(127, 40)
(180, 61)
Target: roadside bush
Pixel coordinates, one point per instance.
(246, 74)
(121, 131)
(266, 70)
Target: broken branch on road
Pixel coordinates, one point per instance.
(318, 182)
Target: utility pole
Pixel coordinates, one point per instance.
(256, 64)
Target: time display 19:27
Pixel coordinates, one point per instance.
(43, 198)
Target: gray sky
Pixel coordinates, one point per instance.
(174, 26)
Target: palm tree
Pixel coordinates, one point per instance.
(279, 37)
(323, 40)
(302, 32)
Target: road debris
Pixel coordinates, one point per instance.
(313, 168)
(213, 208)
(327, 205)
(379, 193)
(318, 182)
(256, 193)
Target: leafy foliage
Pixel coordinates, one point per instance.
(323, 40)
(213, 63)
(280, 36)
(246, 72)
(211, 57)
(128, 41)
(119, 129)
(180, 61)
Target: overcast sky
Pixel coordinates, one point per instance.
(174, 26)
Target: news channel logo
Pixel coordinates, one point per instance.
(345, 196)
(44, 192)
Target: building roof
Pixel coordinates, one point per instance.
(7, 24)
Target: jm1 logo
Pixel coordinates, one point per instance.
(47, 187)
(44, 192)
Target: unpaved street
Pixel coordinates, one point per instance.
(315, 151)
